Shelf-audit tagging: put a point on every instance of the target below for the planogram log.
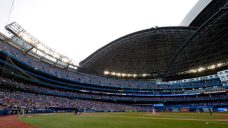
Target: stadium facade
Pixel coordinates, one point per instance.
(180, 68)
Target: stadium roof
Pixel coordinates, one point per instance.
(208, 45)
(145, 52)
(167, 51)
(212, 7)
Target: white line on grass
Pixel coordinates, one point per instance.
(216, 123)
(208, 121)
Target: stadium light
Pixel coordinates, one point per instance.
(200, 69)
(123, 74)
(144, 75)
(113, 73)
(219, 64)
(212, 67)
(118, 74)
(106, 72)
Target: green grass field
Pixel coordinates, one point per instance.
(129, 120)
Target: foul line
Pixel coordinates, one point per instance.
(206, 121)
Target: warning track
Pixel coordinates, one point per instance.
(12, 122)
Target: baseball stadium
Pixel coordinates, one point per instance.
(161, 77)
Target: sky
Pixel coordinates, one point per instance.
(77, 28)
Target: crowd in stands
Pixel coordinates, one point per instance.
(37, 101)
(9, 83)
(12, 98)
(36, 63)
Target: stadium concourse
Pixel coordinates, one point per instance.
(171, 69)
